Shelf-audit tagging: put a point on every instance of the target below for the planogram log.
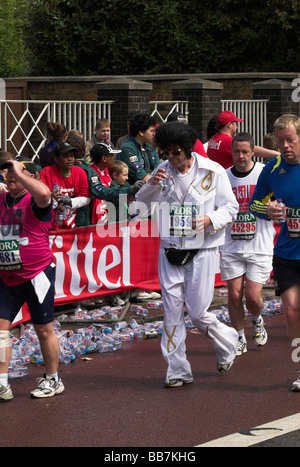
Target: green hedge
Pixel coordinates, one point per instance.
(148, 36)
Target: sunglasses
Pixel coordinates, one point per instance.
(176, 152)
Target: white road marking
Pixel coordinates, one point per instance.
(257, 434)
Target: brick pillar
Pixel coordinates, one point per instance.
(204, 98)
(279, 94)
(128, 94)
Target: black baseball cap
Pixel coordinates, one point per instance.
(62, 148)
(28, 165)
(103, 149)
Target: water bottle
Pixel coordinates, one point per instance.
(133, 324)
(59, 214)
(281, 205)
(105, 347)
(66, 357)
(142, 312)
(117, 345)
(168, 172)
(56, 189)
(155, 305)
(121, 325)
(194, 216)
(18, 372)
(59, 217)
(67, 210)
(150, 334)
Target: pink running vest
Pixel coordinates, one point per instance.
(24, 242)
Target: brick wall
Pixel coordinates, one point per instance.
(203, 104)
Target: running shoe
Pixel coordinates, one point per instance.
(224, 367)
(116, 300)
(296, 385)
(48, 388)
(155, 295)
(144, 295)
(241, 346)
(5, 393)
(176, 383)
(259, 335)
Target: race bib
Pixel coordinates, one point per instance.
(10, 259)
(293, 221)
(244, 226)
(180, 219)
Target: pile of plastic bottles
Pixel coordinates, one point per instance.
(271, 307)
(23, 349)
(98, 337)
(109, 313)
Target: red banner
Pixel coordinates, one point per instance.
(99, 260)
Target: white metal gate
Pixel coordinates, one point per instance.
(22, 131)
(254, 114)
(162, 109)
(23, 123)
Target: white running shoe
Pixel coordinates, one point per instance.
(5, 393)
(116, 300)
(241, 346)
(259, 335)
(224, 367)
(155, 295)
(48, 388)
(144, 295)
(176, 383)
(296, 385)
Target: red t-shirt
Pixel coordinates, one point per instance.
(74, 185)
(199, 148)
(219, 149)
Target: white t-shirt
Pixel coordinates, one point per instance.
(183, 181)
(248, 234)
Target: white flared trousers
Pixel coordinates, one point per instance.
(192, 284)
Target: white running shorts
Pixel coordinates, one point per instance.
(256, 267)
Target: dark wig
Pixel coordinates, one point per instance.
(176, 133)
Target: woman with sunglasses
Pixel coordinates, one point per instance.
(193, 205)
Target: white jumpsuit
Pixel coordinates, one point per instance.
(192, 284)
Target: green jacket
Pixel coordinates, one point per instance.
(140, 163)
(122, 215)
(98, 190)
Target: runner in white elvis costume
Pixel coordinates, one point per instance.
(196, 183)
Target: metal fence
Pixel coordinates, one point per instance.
(23, 123)
(254, 114)
(162, 109)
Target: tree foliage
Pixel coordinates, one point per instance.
(73, 37)
(12, 50)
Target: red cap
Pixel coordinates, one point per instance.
(227, 116)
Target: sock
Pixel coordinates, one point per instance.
(4, 379)
(241, 334)
(54, 375)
